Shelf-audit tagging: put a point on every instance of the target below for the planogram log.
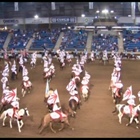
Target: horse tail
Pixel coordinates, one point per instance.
(2, 108)
(2, 115)
(72, 104)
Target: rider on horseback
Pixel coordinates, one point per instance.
(4, 81)
(117, 88)
(50, 100)
(15, 105)
(131, 104)
(74, 94)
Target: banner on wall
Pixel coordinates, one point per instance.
(53, 5)
(63, 20)
(10, 21)
(133, 9)
(90, 5)
(16, 6)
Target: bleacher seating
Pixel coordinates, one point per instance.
(3, 36)
(45, 39)
(20, 39)
(74, 40)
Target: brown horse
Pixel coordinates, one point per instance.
(48, 119)
(26, 87)
(74, 104)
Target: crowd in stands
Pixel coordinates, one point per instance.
(72, 40)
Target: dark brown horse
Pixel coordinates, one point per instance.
(117, 96)
(74, 104)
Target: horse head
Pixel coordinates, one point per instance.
(137, 109)
(23, 111)
(26, 111)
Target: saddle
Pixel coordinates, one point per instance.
(57, 115)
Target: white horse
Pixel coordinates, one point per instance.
(124, 110)
(18, 117)
(85, 92)
(105, 58)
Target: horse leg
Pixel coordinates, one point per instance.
(66, 122)
(10, 122)
(51, 127)
(3, 123)
(23, 92)
(72, 108)
(21, 123)
(137, 122)
(120, 117)
(18, 123)
(44, 122)
(62, 126)
(130, 121)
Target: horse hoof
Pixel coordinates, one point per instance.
(72, 128)
(127, 124)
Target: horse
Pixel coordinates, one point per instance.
(48, 74)
(26, 87)
(18, 117)
(54, 117)
(13, 75)
(105, 59)
(74, 104)
(77, 80)
(117, 96)
(85, 92)
(124, 110)
(62, 64)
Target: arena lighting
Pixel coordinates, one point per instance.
(104, 30)
(118, 27)
(36, 17)
(123, 27)
(105, 11)
(90, 27)
(136, 27)
(97, 11)
(83, 15)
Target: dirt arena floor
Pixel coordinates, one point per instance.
(93, 120)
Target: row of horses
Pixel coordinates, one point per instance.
(73, 103)
(7, 109)
(123, 110)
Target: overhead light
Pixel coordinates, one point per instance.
(111, 11)
(83, 15)
(97, 11)
(36, 16)
(101, 27)
(105, 11)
